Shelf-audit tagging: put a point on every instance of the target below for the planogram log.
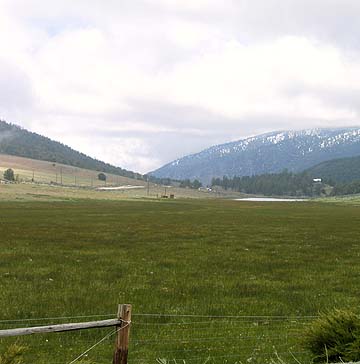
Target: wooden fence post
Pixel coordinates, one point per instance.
(122, 335)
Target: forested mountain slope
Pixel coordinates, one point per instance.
(266, 153)
(23, 143)
(338, 170)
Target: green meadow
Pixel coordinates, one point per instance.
(226, 280)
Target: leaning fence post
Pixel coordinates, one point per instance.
(122, 335)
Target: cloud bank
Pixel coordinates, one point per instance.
(139, 83)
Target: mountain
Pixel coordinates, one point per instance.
(17, 141)
(343, 170)
(266, 153)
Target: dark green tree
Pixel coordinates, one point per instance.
(102, 176)
(9, 175)
(186, 183)
(196, 184)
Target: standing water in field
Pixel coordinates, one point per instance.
(270, 199)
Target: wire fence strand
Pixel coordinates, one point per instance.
(99, 342)
(170, 336)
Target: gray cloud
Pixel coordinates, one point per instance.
(333, 21)
(16, 93)
(173, 115)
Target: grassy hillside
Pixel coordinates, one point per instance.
(279, 262)
(45, 192)
(27, 169)
(20, 142)
(338, 170)
(82, 183)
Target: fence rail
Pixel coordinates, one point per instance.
(121, 324)
(59, 328)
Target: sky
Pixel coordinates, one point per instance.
(139, 83)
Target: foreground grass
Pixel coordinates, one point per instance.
(177, 257)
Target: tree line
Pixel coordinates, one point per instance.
(187, 183)
(351, 188)
(286, 184)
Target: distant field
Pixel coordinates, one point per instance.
(349, 199)
(46, 172)
(218, 258)
(59, 182)
(46, 192)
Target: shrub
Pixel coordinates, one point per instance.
(102, 177)
(9, 175)
(334, 337)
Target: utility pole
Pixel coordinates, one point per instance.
(148, 186)
(61, 181)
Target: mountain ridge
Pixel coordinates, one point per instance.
(272, 152)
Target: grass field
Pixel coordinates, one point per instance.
(46, 192)
(349, 200)
(180, 257)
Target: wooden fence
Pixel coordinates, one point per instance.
(122, 330)
(169, 337)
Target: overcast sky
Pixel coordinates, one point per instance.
(138, 83)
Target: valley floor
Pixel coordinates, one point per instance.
(48, 192)
(254, 274)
